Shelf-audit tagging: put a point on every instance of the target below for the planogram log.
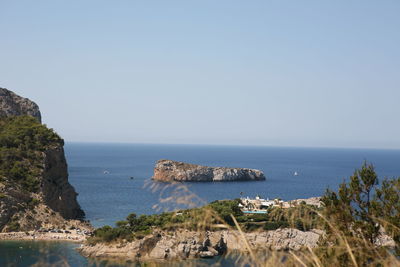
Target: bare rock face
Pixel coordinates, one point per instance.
(58, 199)
(184, 244)
(283, 239)
(15, 105)
(58, 193)
(10, 203)
(169, 170)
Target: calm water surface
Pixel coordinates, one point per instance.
(109, 196)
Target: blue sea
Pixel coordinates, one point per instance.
(113, 180)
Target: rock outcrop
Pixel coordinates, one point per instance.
(183, 244)
(36, 191)
(15, 105)
(56, 200)
(169, 170)
(57, 192)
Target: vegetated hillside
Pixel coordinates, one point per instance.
(34, 187)
(23, 142)
(33, 176)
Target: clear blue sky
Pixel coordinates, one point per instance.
(282, 73)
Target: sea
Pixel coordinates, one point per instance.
(114, 180)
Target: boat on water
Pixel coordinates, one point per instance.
(295, 174)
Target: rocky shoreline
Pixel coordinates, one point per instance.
(74, 231)
(185, 244)
(35, 236)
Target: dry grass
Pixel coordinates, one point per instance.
(339, 250)
(345, 251)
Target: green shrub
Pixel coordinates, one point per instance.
(33, 203)
(258, 217)
(225, 208)
(108, 234)
(249, 227)
(14, 226)
(242, 219)
(364, 205)
(22, 141)
(271, 225)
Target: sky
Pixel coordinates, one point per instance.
(276, 73)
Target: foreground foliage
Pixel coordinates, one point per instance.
(357, 215)
(354, 219)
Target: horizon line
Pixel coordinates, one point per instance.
(231, 145)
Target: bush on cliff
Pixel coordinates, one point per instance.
(22, 141)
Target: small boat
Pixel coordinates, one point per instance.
(106, 172)
(295, 174)
(131, 177)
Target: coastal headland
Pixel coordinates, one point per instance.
(34, 189)
(183, 244)
(224, 226)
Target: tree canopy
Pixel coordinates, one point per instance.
(22, 143)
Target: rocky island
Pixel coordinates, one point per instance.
(34, 188)
(169, 171)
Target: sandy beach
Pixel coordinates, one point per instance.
(44, 236)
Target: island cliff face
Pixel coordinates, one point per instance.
(34, 187)
(14, 105)
(169, 171)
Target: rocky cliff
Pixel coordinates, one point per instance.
(169, 170)
(34, 187)
(57, 192)
(182, 244)
(14, 105)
